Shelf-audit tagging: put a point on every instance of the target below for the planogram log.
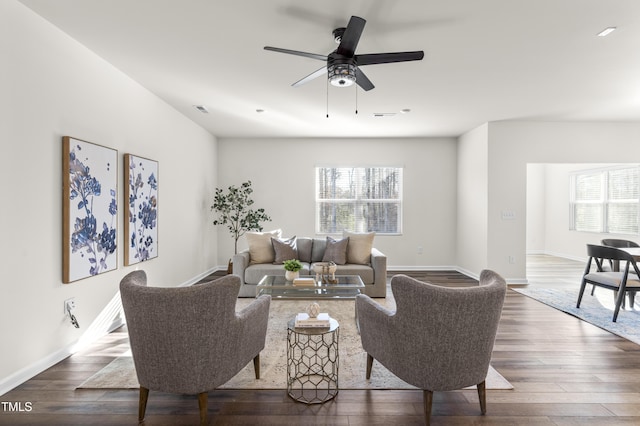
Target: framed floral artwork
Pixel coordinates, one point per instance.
(90, 209)
(141, 195)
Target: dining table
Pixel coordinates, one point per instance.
(633, 251)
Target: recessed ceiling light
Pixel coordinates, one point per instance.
(203, 109)
(259, 110)
(405, 111)
(384, 114)
(606, 31)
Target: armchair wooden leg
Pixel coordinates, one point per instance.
(256, 365)
(202, 404)
(142, 404)
(428, 402)
(369, 365)
(482, 396)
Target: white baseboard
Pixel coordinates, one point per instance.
(26, 373)
(16, 379)
(422, 268)
(510, 281)
(197, 278)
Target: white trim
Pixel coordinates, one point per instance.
(510, 281)
(562, 255)
(422, 268)
(197, 278)
(19, 377)
(26, 373)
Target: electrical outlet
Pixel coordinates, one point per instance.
(419, 249)
(512, 259)
(71, 303)
(508, 215)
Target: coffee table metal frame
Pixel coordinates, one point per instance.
(348, 287)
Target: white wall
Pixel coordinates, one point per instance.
(472, 194)
(512, 145)
(558, 239)
(51, 87)
(536, 208)
(282, 172)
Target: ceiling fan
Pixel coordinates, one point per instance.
(343, 65)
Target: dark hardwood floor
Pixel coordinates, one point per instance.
(565, 372)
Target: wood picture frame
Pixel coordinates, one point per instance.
(141, 197)
(90, 209)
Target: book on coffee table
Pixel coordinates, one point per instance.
(321, 321)
(304, 281)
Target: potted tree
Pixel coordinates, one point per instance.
(233, 208)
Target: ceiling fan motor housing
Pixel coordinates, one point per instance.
(337, 34)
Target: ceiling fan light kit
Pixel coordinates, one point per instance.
(342, 75)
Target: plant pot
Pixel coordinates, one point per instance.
(291, 275)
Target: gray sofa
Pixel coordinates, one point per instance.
(310, 251)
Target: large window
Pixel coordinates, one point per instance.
(359, 199)
(605, 200)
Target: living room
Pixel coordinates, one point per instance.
(455, 187)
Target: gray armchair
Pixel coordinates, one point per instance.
(190, 340)
(439, 338)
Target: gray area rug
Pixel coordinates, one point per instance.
(596, 309)
(120, 374)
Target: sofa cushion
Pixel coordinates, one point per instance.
(365, 272)
(284, 249)
(317, 251)
(305, 246)
(336, 251)
(359, 248)
(260, 247)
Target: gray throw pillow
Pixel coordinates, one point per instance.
(285, 249)
(336, 251)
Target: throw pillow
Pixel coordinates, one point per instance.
(260, 247)
(360, 245)
(336, 251)
(284, 249)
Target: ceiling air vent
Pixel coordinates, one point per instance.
(384, 114)
(203, 109)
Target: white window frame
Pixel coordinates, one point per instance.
(603, 201)
(360, 222)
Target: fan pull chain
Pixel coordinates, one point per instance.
(356, 99)
(327, 98)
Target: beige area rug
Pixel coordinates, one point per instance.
(120, 374)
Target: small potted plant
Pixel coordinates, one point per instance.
(292, 268)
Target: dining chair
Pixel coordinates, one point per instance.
(622, 282)
(615, 265)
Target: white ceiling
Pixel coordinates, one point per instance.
(484, 61)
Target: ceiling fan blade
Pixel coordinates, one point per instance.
(351, 37)
(363, 81)
(310, 77)
(297, 53)
(385, 58)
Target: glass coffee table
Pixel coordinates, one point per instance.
(347, 287)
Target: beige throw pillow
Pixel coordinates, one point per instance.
(260, 247)
(360, 245)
